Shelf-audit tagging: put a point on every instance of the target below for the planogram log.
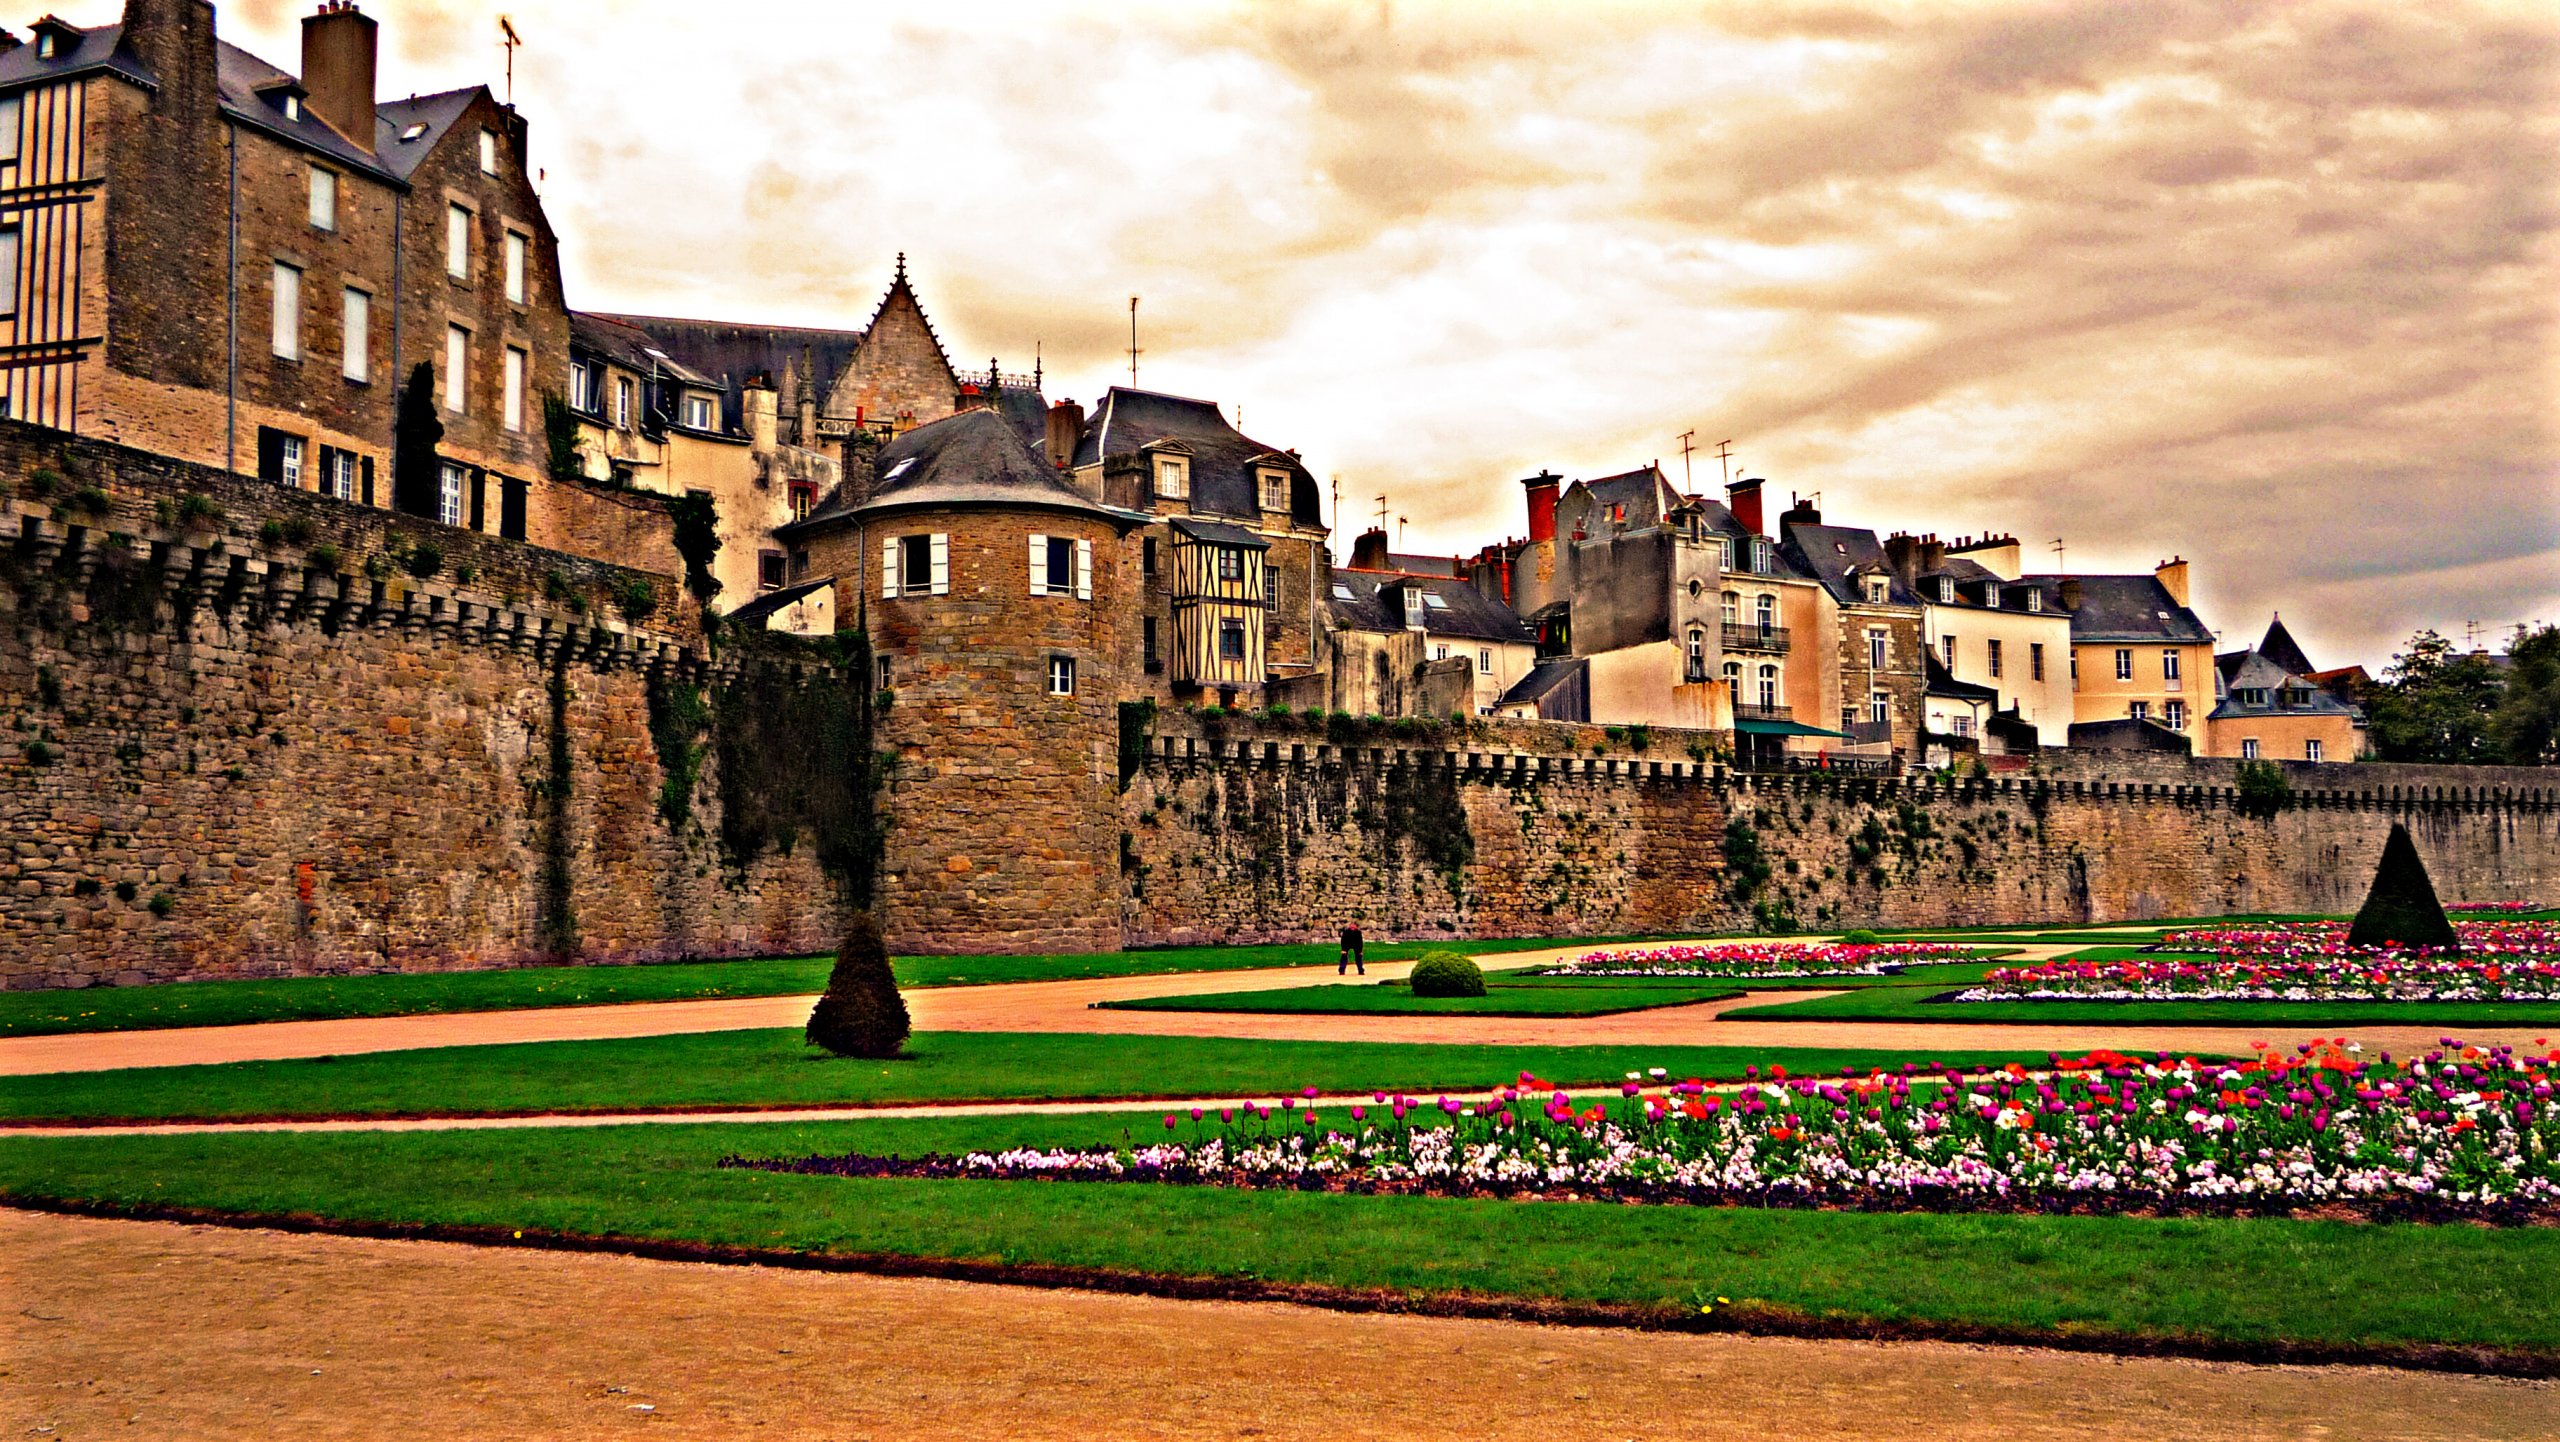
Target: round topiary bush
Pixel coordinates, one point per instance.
(861, 1013)
(1861, 937)
(1445, 973)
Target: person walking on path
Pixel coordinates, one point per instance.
(1351, 956)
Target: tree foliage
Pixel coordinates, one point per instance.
(2526, 724)
(2434, 705)
(861, 1013)
(416, 431)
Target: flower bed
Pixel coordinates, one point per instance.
(2465, 1133)
(2500, 961)
(1757, 959)
(2478, 907)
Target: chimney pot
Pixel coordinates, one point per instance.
(1742, 497)
(1066, 426)
(1542, 489)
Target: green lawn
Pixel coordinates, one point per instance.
(2326, 1283)
(1911, 1003)
(775, 1068)
(227, 1003)
(1553, 996)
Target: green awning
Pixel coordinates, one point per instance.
(1784, 728)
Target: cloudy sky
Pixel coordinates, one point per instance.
(2268, 285)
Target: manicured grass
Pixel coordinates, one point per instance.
(2232, 1282)
(1911, 1003)
(229, 1003)
(1555, 997)
(775, 1068)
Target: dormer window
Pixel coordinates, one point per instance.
(2035, 600)
(1173, 478)
(1877, 590)
(44, 45)
(1413, 608)
(1275, 490)
(1991, 597)
(697, 412)
(293, 107)
(1946, 591)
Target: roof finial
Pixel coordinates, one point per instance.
(901, 277)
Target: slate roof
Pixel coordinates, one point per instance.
(238, 78)
(1832, 553)
(2279, 646)
(740, 353)
(438, 112)
(2126, 733)
(772, 601)
(2255, 671)
(1219, 534)
(1542, 678)
(970, 460)
(631, 348)
(1939, 681)
(2125, 608)
(1413, 565)
(1465, 613)
(1223, 459)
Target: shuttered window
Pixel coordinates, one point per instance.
(915, 565)
(1061, 566)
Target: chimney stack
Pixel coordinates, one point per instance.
(1369, 552)
(1066, 427)
(1742, 497)
(338, 47)
(174, 41)
(2071, 593)
(1542, 505)
(2172, 574)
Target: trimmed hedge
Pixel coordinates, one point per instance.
(1445, 973)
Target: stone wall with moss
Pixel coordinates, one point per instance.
(1244, 829)
(247, 731)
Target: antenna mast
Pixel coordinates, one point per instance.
(1724, 458)
(511, 40)
(1133, 342)
(2058, 566)
(1687, 481)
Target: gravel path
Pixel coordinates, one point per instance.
(1067, 1006)
(110, 1334)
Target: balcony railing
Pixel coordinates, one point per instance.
(1747, 636)
(1745, 712)
(1868, 733)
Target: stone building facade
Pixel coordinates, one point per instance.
(229, 264)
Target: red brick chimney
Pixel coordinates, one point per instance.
(1742, 497)
(1066, 426)
(338, 47)
(1542, 504)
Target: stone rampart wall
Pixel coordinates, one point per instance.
(238, 738)
(1247, 831)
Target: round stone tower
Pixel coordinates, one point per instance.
(1003, 623)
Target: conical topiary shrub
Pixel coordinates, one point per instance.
(861, 1013)
(2402, 909)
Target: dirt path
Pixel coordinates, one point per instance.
(109, 1335)
(1067, 1006)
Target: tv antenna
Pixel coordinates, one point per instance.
(1382, 515)
(2057, 555)
(509, 42)
(1724, 456)
(1400, 525)
(2471, 633)
(1133, 342)
(1687, 482)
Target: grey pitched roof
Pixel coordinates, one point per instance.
(1940, 681)
(971, 460)
(1542, 678)
(2126, 733)
(1219, 534)
(741, 353)
(2279, 646)
(772, 601)
(239, 77)
(439, 113)
(1833, 554)
(2254, 671)
(1464, 613)
(631, 348)
(2125, 608)
(1223, 459)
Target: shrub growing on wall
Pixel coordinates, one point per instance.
(861, 1013)
(416, 431)
(2264, 791)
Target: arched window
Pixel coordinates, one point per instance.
(1733, 678)
(1732, 605)
(1767, 613)
(1697, 669)
(1769, 687)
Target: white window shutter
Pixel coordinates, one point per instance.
(1039, 565)
(941, 563)
(889, 569)
(1084, 570)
